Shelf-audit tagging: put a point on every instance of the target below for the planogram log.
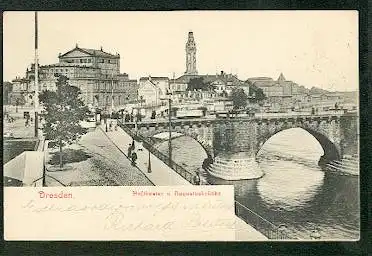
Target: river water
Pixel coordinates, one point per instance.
(294, 190)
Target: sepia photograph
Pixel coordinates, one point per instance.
(263, 101)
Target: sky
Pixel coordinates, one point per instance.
(311, 48)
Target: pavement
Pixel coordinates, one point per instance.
(162, 175)
(94, 161)
(18, 129)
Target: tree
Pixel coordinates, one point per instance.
(256, 94)
(63, 111)
(239, 98)
(7, 90)
(198, 84)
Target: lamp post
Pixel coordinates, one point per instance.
(170, 122)
(112, 95)
(36, 103)
(106, 120)
(136, 122)
(149, 164)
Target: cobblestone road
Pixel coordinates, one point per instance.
(106, 165)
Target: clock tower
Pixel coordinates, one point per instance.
(191, 56)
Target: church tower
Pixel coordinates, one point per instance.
(191, 56)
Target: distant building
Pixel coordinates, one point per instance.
(95, 72)
(7, 92)
(279, 88)
(20, 93)
(153, 90)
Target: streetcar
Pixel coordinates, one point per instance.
(190, 111)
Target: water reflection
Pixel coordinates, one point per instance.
(185, 151)
(288, 185)
(241, 187)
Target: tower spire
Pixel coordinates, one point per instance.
(191, 55)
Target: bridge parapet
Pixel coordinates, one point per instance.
(337, 133)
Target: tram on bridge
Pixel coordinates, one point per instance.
(190, 111)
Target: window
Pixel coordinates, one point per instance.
(81, 60)
(89, 60)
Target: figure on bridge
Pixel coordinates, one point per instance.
(130, 148)
(196, 179)
(153, 114)
(134, 158)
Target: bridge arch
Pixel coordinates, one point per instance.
(331, 149)
(208, 149)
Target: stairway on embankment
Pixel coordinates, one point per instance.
(346, 166)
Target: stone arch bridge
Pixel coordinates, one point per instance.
(336, 133)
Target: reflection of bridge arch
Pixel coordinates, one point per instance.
(322, 131)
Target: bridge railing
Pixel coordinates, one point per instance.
(264, 226)
(187, 175)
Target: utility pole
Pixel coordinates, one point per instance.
(112, 95)
(36, 99)
(170, 123)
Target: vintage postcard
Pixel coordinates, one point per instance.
(181, 126)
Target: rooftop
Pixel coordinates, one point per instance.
(93, 52)
(209, 78)
(260, 78)
(153, 78)
(65, 64)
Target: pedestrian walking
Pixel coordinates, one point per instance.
(130, 150)
(196, 179)
(153, 114)
(134, 158)
(133, 145)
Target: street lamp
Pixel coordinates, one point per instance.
(106, 120)
(149, 164)
(169, 93)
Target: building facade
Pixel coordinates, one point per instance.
(153, 90)
(95, 72)
(20, 93)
